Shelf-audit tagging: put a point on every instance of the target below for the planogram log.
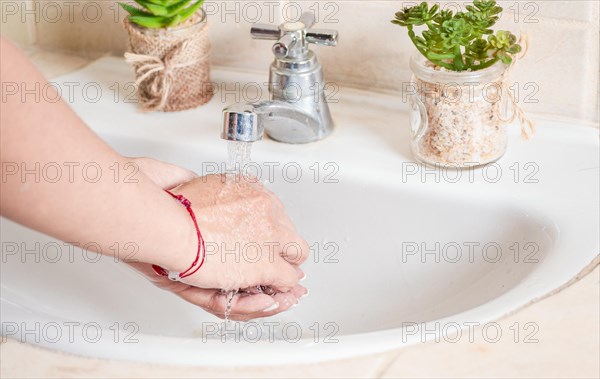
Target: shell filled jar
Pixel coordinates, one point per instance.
(457, 118)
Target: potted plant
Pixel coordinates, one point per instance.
(169, 48)
(459, 97)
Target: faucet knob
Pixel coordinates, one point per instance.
(294, 37)
(325, 37)
(281, 48)
(308, 19)
(265, 31)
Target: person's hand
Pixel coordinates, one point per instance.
(234, 220)
(250, 243)
(164, 175)
(249, 239)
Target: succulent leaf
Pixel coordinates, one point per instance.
(133, 11)
(155, 9)
(457, 41)
(417, 15)
(161, 13)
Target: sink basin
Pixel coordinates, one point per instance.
(401, 253)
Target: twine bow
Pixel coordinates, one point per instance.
(157, 74)
(527, 125)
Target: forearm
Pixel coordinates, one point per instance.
(86, 202)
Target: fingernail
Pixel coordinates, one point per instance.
(306, 294)
(303, 277)
(271, 307)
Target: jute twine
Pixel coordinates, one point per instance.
(172, 66)
(527, 125)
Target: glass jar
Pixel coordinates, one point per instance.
(456, 118)
(192, 25)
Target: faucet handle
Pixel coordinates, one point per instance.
(281, 48)
(308, 19)
(265, 31)
(325, 37)
(293, 37)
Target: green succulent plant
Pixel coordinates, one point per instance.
(462, 40)
(161, 13)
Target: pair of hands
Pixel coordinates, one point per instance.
(251, 245)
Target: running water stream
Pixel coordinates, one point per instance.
(239, 156)
(229, 296)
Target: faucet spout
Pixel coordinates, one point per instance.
(240, 123)
(246, 122)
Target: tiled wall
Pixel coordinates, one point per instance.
(559, 76)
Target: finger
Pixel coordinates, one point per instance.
(294, 249)
(283, 276)
(177, 176)
(247, 307)
(215, 302)
(300, 273)
(252, 290)
(163, 174)
(284, 301)
(300, 291)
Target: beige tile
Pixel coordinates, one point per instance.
(561, 65)
(14, 24)
(372, 53)
(92, 27)
(55, 64)
(566, 327)
(559, 75)
(83, 26)
(49, 364)
(528, 11)
(230, 23)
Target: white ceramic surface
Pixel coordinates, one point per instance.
(367, 210)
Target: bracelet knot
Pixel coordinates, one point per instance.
(185, 202)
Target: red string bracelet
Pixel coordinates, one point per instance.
(201, 248)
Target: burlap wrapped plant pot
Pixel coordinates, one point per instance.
(172, 65)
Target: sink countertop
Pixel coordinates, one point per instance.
(565, 343)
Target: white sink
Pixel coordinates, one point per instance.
(371, 287)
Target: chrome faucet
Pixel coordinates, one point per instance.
(297, 111)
